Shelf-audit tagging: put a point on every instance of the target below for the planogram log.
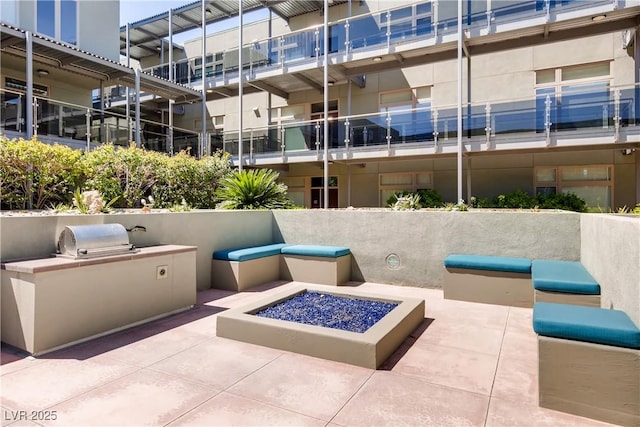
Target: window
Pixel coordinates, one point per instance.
(409, 112)
(317, 192)
(46, 13)
(295, 189)
(21, 86)
(391, 183)
(593, 183)
(405, 99)
(68, 21)
(577, 96)
(58, 19)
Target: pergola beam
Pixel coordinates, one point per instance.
(269, 88)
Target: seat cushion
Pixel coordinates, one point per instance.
(563, 276)
(491, 263)
(315, 250)
(590, 324)
(253, 252)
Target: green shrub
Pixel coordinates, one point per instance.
(47, 174)
(564, 201)
(430, 198)
(125, 173)
(517, 199)
(253, 189)
(184, 178)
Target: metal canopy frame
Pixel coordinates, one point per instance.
(69, 58)
(145, 35)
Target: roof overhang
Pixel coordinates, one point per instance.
(69, 58)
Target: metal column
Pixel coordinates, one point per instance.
(29, 96)
(240, 84)
(138, 140)
(459, 106)
(127, 93)
(203, 140)
(326, 104)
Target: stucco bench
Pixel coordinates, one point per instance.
(564, 282)
(327, 265)
(588, 362)
(239, 269)
(488, 279)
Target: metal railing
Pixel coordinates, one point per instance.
(71, 123)
(586, 113)
(392, 27)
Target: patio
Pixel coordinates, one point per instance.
(467, 364)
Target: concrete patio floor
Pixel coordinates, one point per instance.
(468, 364)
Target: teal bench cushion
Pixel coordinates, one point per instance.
(253, 252)
(563, 276)
(590, 324)
(490, 263)
(314, 250)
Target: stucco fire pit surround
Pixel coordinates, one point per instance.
(367, 349)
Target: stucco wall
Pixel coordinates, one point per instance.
(422, 239)
(36, 237)
(610, 250)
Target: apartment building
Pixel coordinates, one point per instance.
(537, 95)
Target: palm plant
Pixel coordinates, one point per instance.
(253, 189)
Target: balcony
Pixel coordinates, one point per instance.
(580, 117)
(405, 36)
(83, 128)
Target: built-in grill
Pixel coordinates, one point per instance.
(91, 241)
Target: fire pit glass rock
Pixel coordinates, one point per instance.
(330, 311)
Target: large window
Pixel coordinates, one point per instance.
(391, 183)
(577, 96)
(69, 21)
(593, 183)
(58, 19)
(46, 12)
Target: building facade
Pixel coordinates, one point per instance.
(536, 95)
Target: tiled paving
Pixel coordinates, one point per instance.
(468, 364)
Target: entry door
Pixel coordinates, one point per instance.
(317, 198)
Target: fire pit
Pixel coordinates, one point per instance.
(368, 347)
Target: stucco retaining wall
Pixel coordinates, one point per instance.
(422, 239)
(610, 250)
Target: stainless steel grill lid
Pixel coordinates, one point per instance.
(89, 241)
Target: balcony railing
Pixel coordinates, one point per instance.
(393, 27)
(79, 125)
(580, 114)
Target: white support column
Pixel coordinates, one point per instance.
(171, 76)
(240, 86)
(138, 140)
(127, 93)
(29, 95)
(326, 104)
(459, 106)
(170, 112)
(203, 139)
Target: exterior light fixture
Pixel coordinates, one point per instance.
(42, 72)
(331, 82)
(256, 111)
(377, 59)
(209, 90)
(598, 18)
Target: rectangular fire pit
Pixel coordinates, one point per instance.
(368, 349)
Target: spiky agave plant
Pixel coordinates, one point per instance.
(253, 189)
